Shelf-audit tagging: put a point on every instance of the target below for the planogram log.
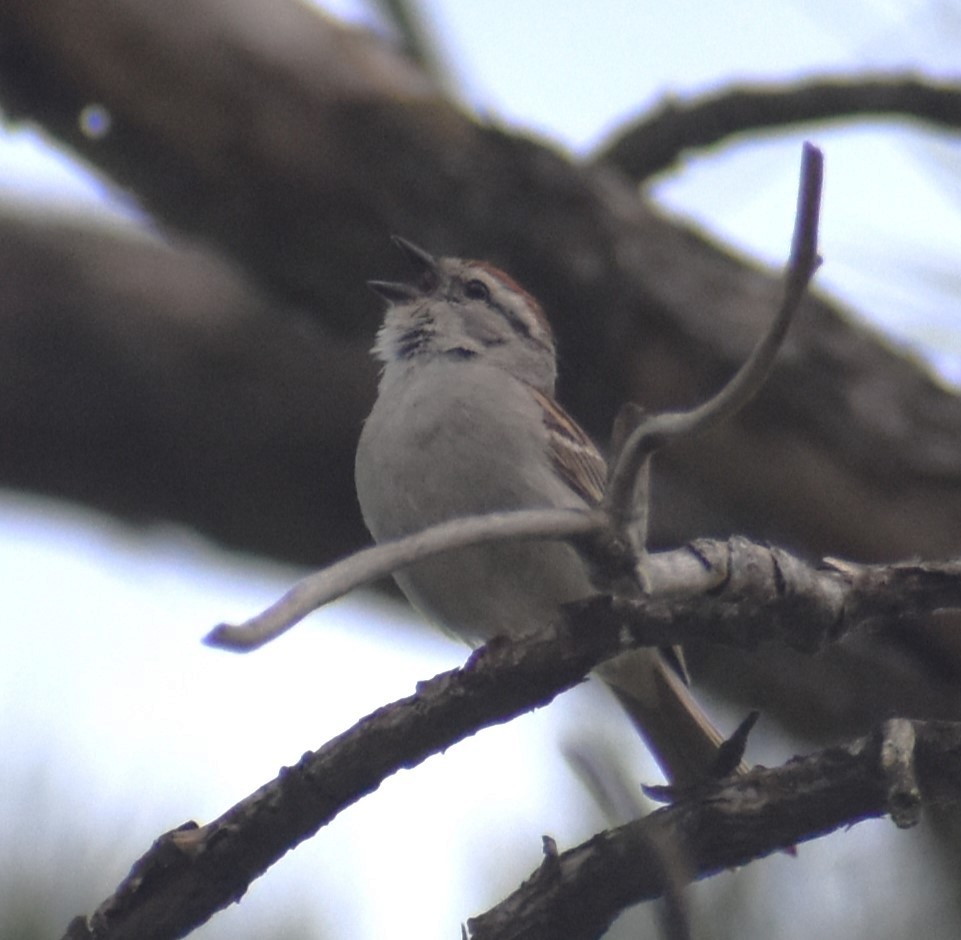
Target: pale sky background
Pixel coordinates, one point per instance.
(105, 691)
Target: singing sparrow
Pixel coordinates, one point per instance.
(465, 422)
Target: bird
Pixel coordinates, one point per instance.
(466, 422)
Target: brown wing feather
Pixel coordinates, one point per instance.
(574, 455)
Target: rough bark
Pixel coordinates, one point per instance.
(192, 872)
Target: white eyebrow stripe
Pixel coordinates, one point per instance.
(496, 278)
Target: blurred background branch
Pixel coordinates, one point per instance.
(658, 140)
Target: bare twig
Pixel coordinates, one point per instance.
(619, 506)
(653, 144)
(621, 498)
(381, 560)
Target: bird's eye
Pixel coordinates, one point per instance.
(477, 290)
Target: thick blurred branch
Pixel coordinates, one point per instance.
(658, 139)
(298, 148)
(293, 148)
(156, 382)
(417, 39)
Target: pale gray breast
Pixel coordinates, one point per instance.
(469, 442)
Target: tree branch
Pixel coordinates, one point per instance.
(379, 561)
(577, 894)
(656, 142)
(623, 494)
(295, 148)
(753, 594)
(628, 479)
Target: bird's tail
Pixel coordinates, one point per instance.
(680, 736)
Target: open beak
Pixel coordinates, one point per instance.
(425, 269)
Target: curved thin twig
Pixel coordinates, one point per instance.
(658, 430)
(381, 560)
(618, 507)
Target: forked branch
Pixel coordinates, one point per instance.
(767, 596)
(625, 502)
(622, 501)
